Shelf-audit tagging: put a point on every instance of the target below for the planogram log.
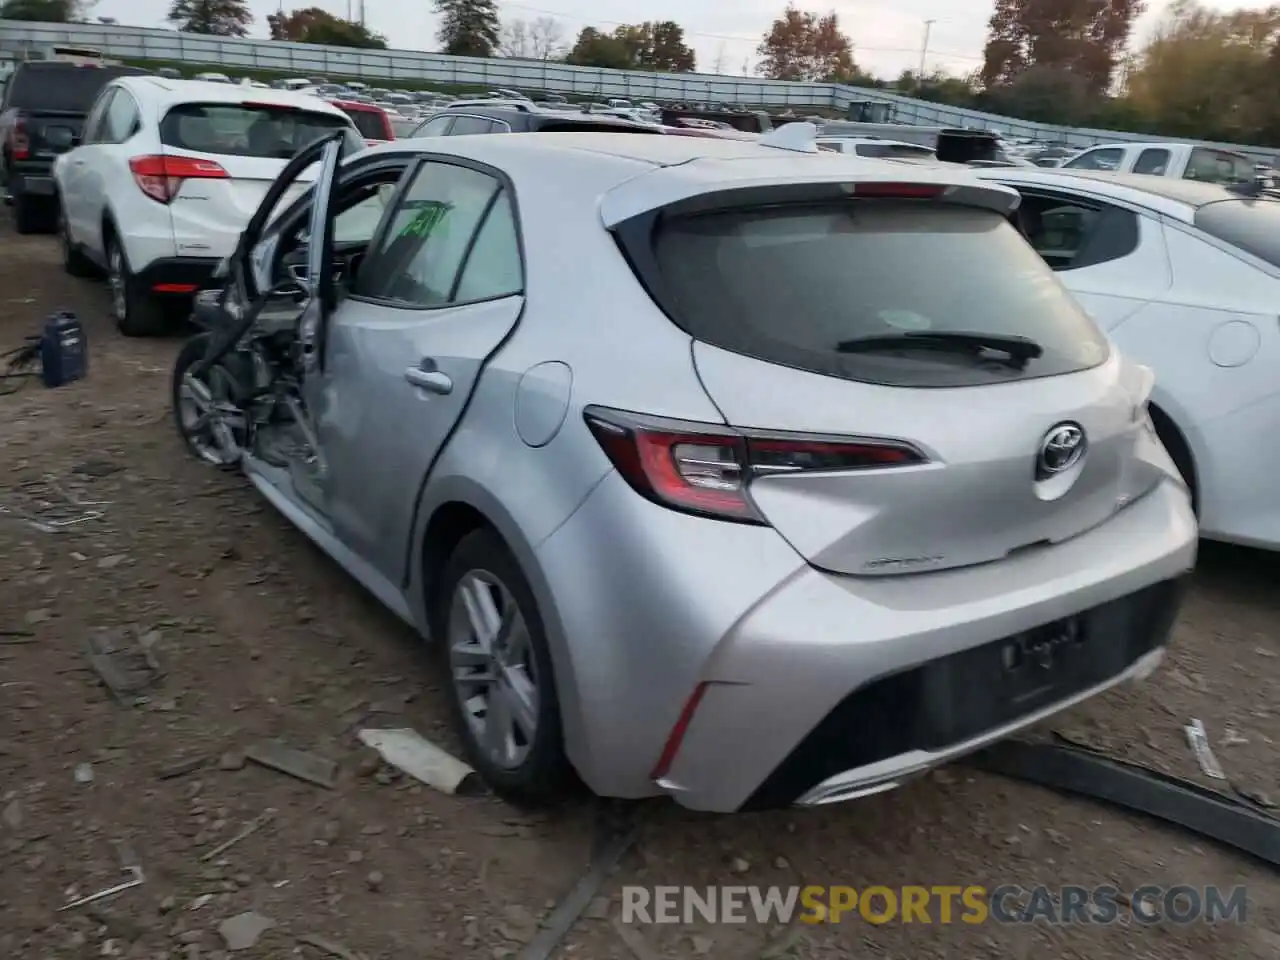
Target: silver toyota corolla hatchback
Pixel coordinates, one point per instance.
(745, 474)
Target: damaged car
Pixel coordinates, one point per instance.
(739, 472)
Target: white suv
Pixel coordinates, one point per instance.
(164, 179)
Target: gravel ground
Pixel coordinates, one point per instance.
(259, 636)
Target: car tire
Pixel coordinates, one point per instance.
(199, 443)
(75, 263)
(135, 313)
(539, 773)
(29, 215)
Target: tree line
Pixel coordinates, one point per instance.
(1203, 74)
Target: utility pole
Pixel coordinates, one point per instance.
(924, 48)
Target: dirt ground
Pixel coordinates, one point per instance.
(259, 636)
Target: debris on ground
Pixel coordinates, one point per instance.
(414, 754)
(329, 947)
(250, 828)
(122, 663)
(44, 505)
(128, 864)
(296, 763)
(181, 767)
(1198, 740)
(244, 930)
(83, 773)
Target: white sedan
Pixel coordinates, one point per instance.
(1185, 278)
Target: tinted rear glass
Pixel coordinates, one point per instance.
(61, 86)
(370, 124)
(1251, 225)
(587, 126)
(244, 131)
(791, 284)
(893, 150)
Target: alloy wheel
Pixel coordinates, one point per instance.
(494, 672)
(212, 433)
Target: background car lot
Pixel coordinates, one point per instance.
(260, 637)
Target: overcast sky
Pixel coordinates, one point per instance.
(887, 35)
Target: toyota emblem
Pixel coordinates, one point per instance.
(1060, 450)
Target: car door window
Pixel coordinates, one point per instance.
(493, 267)
(1072, 234)
(1218, 166)
(435, 127)
(97, 115)
(1105, 158)
(1153, 160)
(120, 121)
(465, 125)
(419, 257)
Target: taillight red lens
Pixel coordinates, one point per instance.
(161, 177)
(19, 142)
(706, 469)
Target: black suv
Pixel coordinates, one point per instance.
(42, 110)
(512, 116)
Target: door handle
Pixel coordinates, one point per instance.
(429, 377)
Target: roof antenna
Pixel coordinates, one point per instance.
(799, 136)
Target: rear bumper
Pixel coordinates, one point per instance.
(177, 276)
(653, 605)
(32, 180)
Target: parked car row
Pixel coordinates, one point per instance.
(1016, 432)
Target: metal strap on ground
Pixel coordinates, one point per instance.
(1181, 802)
(557, 926)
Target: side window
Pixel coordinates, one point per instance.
(1103, 158)
(97, 116)
(418, 260)
(120, 121)
(1153, 161)
(465, 125)
(435, 127)
(493, 266)
(1217, 166)
(1072, 234)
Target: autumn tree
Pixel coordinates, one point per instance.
(802, 45)
(1083, 39)
(468, 28)
(651, 45)
(1211, 75)
(314, 25)
(47, 11)
(219, 18)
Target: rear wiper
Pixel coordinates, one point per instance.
(1017, 349)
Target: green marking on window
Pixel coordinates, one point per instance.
(427, 219)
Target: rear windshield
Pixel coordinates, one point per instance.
(243, 130)
(893, 150)
(368, 122)
(586, 126)
(61, 86)
(795, 285)
(1251, 225)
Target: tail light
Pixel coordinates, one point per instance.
(899, 191)
(706, 469)
(19, 141)
(161, 177)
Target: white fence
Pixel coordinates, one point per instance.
(302, 59)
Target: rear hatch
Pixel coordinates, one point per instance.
(53, 99)
(220, 159)
(925, 392)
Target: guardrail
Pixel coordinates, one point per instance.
(390, 66)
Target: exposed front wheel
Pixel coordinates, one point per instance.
(503, 695)
(212, 428)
